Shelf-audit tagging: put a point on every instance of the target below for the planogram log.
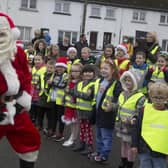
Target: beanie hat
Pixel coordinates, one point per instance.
(62, 62)
(5, 19)
(71, 49)
(136, 76)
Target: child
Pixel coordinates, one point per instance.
(107, 90)
(130, 100)
(38, 70)
(85, 56)
(72, 55)
(45, 107)
(122, 61)
(149, 137)
(57, 96)
(70, 116)
(158, 73)
(109, 53)
(84, 93)
(40, 46)
(53, 52)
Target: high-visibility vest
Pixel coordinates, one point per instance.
(155, 128)
(127, 108)
(123, 65)
(82, 104)
(109, 93)
(36, 73)
(44, 86)
(69, 64)
(60, 93)
(69, 101)
(157, 76)
(153, 52)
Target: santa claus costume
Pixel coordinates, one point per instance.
(15, 99)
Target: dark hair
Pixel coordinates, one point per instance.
(89, 68)
(112, 47)
(141, 53)
(51, 62)
(41, 55)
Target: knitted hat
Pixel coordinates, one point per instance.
(71, 49)
(5, 20)
(136, 77)
(62, 62)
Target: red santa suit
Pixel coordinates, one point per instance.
(15, 99)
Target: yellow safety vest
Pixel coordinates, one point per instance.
(127, 108)
(44, 85)
(69, 101)
(153, 51)
(69, 64)
(123, 65)
(157, 76)
(109, 93)
(155, 128)
(82, 104)
(60, 94)
(36, 73)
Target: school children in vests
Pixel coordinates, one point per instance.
(107, 90)
(149, 136)
(141, 66)
(158, 72)
(70, 115)
(44, 106)
(130, 100)
(38, 70)
(109, 53)
(122, 61)
(57, 97)
(72, 57)
(84, 93)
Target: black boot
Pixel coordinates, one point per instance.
(123, 163)
(25, 164)
(88, 149)
(79, 147)
(130, 164)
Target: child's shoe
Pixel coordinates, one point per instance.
(68, 143)
(79, 147)
(100, 159)
(59, 138)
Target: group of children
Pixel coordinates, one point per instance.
(115, 95)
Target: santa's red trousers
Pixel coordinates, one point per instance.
(22, 136)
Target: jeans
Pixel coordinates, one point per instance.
(104, 141)
(147, 161)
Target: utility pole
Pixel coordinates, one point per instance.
(84, 16)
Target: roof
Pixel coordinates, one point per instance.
(156, 5)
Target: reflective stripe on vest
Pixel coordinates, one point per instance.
(123, 65)
(69, 101)
(157, 76)
(36, 74)
(81, 103)
(127, 108)
(155, 128)
(154, 50)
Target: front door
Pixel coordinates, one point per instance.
(93, 40)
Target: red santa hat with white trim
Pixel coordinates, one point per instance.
(14, 29)
(62, 62)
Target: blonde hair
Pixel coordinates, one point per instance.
(87, 49)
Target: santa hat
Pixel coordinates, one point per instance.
(20, 43)
(135, 75)
(61, 61)
(71, 49)
(15, 30)
(123, 48)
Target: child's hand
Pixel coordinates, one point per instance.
(133, 121)
(134, 150)
(109, 107)
(89, 92)
(49, 81)
(67, 90)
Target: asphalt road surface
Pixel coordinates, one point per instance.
(53, 155)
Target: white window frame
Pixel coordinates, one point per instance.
(97, 7)
(25, 33)
(137, 16)
(71, 36)
(28, 5)
(165, 48)
(113, 10)
(166, 18)
(62, 7)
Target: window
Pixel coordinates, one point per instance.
(31, 4)
(139, 16)
(95, 11)
(25, 33)
(110, 13)
(70, 34)
(165, 45)
(164, 18)
(62, 7)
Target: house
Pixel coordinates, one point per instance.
(106, 21)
